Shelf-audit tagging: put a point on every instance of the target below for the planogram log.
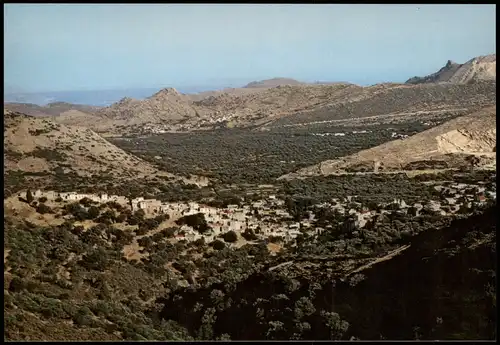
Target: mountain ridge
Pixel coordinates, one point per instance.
(478, 68)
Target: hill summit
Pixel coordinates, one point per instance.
(478, 68)
(268, 83)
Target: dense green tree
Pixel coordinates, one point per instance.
(336, 325)
(230, 236)
(42, 209)
(29, 196)
(93, 212)
(218, 245)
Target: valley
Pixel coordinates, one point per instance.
(281, 210)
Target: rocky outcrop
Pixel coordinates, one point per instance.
(476, 69)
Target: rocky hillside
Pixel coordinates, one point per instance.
(397, 101)
(268, 83)
(51, 109)
(38, 145)
(165, 105)
(444, 146)
(292, 105)
(478, 68)
(170, 108)
(274, 102)
(283, 102)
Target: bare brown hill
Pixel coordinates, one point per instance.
(231, 91)
(165, 105)
(268, 83)
(51, 109)
(397, 99)
(255, 87)
(168, 107)
(273, 102)
(285, 106)
(478, 68)
(38, 145)
(291, 105)
(445, 146)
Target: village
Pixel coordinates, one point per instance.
(269, 217)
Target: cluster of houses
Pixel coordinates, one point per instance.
(268, 217)
(259, 216)
(74, 196)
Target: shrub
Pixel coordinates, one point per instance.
(121, 218)
(230, 236)
(29, 196)
(218, 245)
(249, 235)
(86, 202)
(42, 209)
(77, 230)
(169, 232)
(141, 231)
(93, 212)
(157, 237)
(196, 221)
(140, 214)
(199, 242)
(276, 239)
(97, 259)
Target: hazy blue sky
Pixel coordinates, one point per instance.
(75, 47)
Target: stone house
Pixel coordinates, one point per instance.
(149, 205)
(240, 216)
(72, 196)
(164, 208)
(217, 228)
(51, 195)
(235, 225)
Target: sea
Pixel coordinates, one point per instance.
(94, 98)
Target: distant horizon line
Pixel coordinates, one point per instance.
(202, 88)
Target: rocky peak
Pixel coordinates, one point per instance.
(125, 100)
(167, 92)
(449, 64)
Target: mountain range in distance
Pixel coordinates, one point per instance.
(281, 101)
(483, 68)
(450, 72)
(103, 98)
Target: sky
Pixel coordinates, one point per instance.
(56, 47)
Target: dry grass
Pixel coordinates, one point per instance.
(83, 150)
